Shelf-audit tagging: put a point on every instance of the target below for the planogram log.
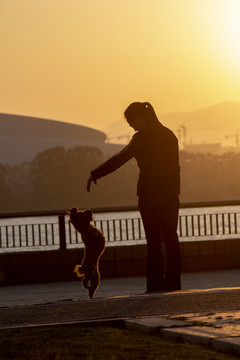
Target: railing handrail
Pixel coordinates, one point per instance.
(60, 233)
(187, 205)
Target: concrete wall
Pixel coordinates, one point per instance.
(119, 261)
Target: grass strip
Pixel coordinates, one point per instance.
(100, 343)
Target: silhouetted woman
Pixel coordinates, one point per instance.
(155, 148)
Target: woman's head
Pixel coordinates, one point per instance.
(140, 115)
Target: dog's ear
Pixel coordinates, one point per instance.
(73, 211)
(89, 214)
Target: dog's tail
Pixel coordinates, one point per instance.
(78, 271)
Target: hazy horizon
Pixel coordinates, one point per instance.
(84, 62)
(213, 125)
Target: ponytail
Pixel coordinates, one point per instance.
(144, 109)
(150, 113)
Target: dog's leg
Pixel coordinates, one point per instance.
(94, 284)
(89, 270)
(85, 282)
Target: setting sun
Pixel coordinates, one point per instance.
(84, 62)
(224, 26)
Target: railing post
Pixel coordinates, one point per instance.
(62, 233)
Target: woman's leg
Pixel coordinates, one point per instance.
(170, 221)
(152, 227)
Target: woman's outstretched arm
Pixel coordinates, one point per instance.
(114, 163)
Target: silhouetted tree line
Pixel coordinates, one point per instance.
(56, 179)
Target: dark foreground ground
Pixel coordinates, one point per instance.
(205, 312)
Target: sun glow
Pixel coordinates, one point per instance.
(85, 61)
(224, 22)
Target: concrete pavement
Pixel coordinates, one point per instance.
(29, 294)
(206, 311)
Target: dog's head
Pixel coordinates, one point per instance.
(80, 218)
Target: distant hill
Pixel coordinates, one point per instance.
(118, 132)
(209, 124)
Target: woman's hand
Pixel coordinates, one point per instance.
(89, 182)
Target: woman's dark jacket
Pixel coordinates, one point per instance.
(156, 152)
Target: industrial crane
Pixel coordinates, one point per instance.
(119, 137)
(236, 136)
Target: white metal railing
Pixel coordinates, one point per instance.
(50, 229)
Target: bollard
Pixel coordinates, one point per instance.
(62, 233)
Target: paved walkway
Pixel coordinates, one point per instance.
(206, 311)
(45, 293)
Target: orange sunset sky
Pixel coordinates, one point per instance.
(85, 61)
